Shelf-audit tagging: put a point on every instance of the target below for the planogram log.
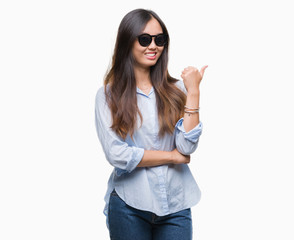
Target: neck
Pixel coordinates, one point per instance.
(142, 76)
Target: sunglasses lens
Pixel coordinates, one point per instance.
(145, 40)
(160, 39)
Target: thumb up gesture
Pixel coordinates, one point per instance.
(192, 78)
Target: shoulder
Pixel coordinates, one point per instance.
(100, 99)
(180, 84)
(101, 95)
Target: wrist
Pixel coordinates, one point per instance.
(193, 92)
(171, 157)
(192, 100)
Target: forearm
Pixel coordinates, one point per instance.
(191, 120)
(155, 158)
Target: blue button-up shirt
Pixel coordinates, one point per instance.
(162, 189)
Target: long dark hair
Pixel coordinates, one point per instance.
(120, 82)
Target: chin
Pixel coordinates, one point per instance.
(150, 64)
(146, 64)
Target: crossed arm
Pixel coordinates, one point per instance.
(192, 78)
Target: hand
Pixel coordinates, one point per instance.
(178, 158)
(192, 78)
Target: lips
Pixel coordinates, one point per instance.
(151, 55)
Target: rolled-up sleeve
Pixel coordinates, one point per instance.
(119, 154)
(187, 142)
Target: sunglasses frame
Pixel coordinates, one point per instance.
(155, 37)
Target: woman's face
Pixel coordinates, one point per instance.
(147, 56)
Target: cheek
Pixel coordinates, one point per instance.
(137, 51)
(160, 51)
(138, 55)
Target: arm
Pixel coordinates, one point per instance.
(156, 158)
(191, 120)
(192, 78)
(119, 154)
(189, 128)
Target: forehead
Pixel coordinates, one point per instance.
(152, 27)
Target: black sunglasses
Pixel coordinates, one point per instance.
(145, 39)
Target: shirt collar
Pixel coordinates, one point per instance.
(139, 91)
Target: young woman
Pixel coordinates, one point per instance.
(148, 125)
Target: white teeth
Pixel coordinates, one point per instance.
(150, 54)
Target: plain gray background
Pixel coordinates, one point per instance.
(53, 57)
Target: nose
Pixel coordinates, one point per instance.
(152, 44)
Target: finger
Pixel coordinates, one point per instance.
(203, 70)
(184, 72)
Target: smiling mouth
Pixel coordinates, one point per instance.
(150, 54)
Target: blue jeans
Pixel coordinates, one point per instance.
(127, 223)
